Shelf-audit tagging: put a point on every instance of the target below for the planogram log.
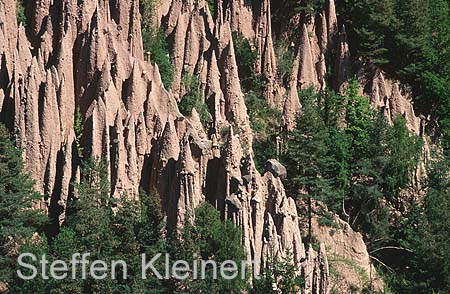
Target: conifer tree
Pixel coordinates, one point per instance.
(19, 216)
(210, 238)
(307, 155)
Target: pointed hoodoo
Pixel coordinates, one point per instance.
(233, 154)
(235, 108)
(169, 147)
(186, 162)
(186, 194)
(266, 63)
(332, 23)
(292, 106)
(307, 72)
(179, 48)
(323, 37)
(214, 90)
(342, 63)
(137, 90)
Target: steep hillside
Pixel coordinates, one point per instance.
(87, 79)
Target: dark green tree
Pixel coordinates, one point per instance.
(20, 217)
(403, 151)
(410, 40)
(307, 155)
(425, 267)
(210, 238)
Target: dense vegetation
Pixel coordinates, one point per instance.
(155, 42)
(358, 168)
(114, 229)
(425, 267)
(16, 193)
(347, 156)
(410, 40)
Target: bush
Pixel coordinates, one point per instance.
(79, 130)
(193, 99)
(210, 238)
(212, 7)
(282, 273)
(21, 18)
(285, 59)
(326, 219)
(154, 40)
(266, 123)
(245, 58)
(309, 7)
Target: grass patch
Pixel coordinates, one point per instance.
(363, 277)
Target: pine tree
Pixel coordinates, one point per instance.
(307, 155)
(149, 233)
(210, 238)
(403, 152)
(19, 216)
(432, 250)
(424, 232)
(88, 229)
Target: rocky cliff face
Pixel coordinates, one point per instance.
(89, 55)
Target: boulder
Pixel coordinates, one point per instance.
(276, 168)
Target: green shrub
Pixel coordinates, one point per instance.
(154, 41)
(79, 129)
(282, 273)
(326, 219)
(212, 7)
(147, 8)
(309, 7)
(246, 57)
(266, 124)
(285, 59)
(21, 18)
(193, 99)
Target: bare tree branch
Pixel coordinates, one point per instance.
(391, 247)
